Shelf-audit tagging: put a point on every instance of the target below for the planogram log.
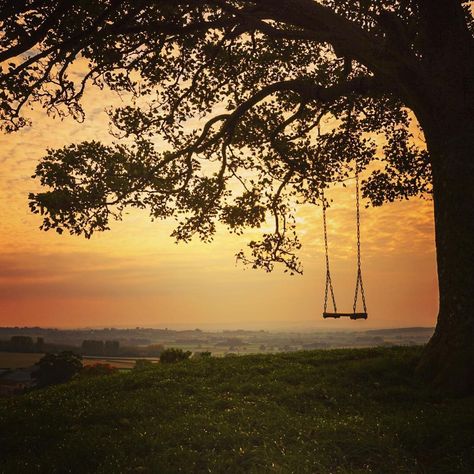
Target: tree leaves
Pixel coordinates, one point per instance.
(258, 110)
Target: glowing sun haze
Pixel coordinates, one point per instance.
(135, 275)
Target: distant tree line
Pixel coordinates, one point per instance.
(93, 347)
(89, 347)
(26, 344)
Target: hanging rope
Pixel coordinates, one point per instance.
(329, 287)
(359, 282)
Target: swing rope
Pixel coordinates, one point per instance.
(359, 282)
(329, 287)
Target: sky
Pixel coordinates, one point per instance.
(135, 275)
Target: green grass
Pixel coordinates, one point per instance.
(340, 411)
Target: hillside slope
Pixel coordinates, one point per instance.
(306, 412)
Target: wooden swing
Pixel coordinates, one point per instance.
(359, 284)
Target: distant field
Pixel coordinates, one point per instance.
(120, 363)
(14, 360)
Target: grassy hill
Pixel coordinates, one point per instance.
(341, 411)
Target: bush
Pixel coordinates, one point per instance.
(169, 356)
(57, 368)
(142, 364)
(201, 355)
(97, 369)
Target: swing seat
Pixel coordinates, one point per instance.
(345, 315)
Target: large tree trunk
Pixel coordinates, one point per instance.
(447, 117)
(448, 360)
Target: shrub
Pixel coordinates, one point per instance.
(201, 355)
(97, 370)
(57, 368)
(169, 356)
(142, 364)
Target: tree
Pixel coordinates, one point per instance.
(97, 370)
(172, 355)
(57, 368)
(142, 364)
(289, 95)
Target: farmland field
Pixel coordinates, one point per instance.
(15, 360)
(119, 362)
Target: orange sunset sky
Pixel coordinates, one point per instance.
(135, 275)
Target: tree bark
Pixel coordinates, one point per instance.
(446, 113)
(448, 360)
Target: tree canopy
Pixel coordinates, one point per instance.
(57, 368)
(260, 106)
